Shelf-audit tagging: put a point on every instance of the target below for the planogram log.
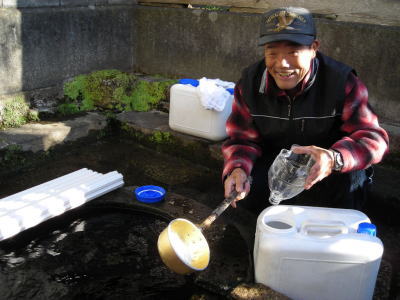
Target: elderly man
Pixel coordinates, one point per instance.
(297, 95)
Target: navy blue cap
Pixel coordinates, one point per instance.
(367, 228)
(293, 24)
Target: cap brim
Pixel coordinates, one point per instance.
(301, 39)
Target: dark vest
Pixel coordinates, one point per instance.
(312, 118)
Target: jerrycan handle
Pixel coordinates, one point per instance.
(323, 228)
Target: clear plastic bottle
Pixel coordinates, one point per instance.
(287, 175)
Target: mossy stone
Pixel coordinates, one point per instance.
(113, 90)
(16, 112)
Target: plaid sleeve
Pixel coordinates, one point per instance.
(242, 147)
(366, 142)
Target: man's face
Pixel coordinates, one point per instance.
(288, 62)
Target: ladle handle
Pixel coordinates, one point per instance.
(219, 210)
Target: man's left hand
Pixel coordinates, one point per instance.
(322, 167)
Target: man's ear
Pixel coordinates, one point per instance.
(315, 46)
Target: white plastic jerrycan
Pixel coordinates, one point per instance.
(188, 115)
(315, 253)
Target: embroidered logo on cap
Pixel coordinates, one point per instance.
(283, 20)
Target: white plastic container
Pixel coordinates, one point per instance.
(316, 253)
(187, 115)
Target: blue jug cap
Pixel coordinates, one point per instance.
(367, 228)
(230, 90)
(193, 82)
(150, 193)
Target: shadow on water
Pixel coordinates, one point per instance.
(91, 253)
(138, 165)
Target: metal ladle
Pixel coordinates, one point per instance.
(182, 245)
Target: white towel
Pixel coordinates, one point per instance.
(213, 93)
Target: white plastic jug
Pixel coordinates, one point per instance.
(316, 253)
(187, 115)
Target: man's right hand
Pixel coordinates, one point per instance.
(237, 180)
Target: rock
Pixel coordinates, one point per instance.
(256, 291)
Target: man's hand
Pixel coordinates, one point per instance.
(322, 167)
(237, 180)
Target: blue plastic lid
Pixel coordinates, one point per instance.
(193, 82)
(149, 193)
(230, 91)
(367, 228)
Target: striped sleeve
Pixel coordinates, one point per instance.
(366, 142)
(242, 148)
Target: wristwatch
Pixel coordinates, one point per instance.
(337, 160)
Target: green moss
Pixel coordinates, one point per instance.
(160, 137)
(95, 90)
(12, 157)
(166, 142)
(15, 113)
(212, 7)
(146, 95)
(74, 88)
(100, 86)
(67, 108)
(114, 90)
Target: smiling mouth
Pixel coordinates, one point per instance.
(285, 74)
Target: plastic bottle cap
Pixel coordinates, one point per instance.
(367, 228)
(193, 82)
(230, 90)
(150, 193)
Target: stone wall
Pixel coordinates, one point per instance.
(42, 43)
(200, 43)
(384, 12)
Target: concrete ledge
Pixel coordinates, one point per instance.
(41, 137)
(190, 147)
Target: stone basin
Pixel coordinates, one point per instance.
(107, 249)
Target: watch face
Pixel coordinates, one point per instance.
(338, 161)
